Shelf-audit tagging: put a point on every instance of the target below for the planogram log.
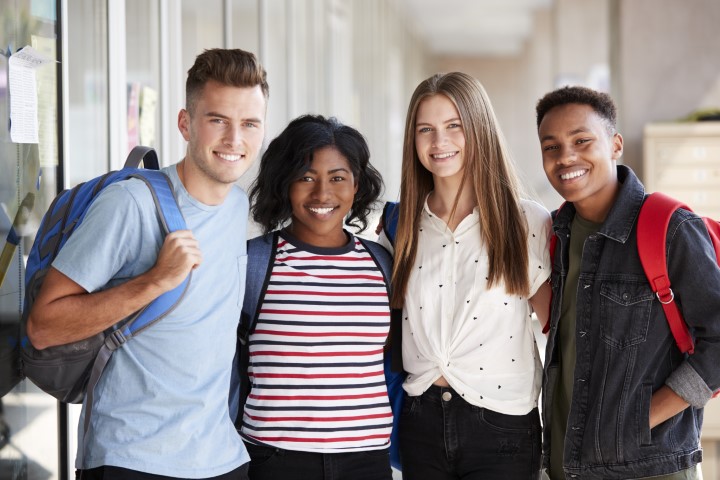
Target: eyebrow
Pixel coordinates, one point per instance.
(220, 115)
(570, 133)
(450, 120)
(334, 170)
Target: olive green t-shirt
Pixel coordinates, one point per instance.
(580, 230)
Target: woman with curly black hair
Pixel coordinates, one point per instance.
(317, 404)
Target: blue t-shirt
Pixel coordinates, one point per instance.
(161, 406)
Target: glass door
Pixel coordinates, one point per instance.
(29, 162)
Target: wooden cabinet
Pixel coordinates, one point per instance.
(683, 161)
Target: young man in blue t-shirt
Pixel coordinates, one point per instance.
(161, 406)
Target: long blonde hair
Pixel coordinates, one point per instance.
(488, 168)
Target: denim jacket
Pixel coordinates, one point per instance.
(625, 350)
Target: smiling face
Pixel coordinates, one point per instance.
(321, 199)
(224, 133)
(579, 158)
(439, 137)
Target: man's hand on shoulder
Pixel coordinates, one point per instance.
(65, 312)
(179, 255)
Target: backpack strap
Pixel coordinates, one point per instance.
(553, 246)
(384, 260)
(392, 363)
(390, 215)
(171, 219)
(261, 255)
(146, 155)
(652, 228)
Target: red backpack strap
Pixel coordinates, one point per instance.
(552, 245)
(651, 240)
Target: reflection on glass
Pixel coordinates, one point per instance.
(87, 91)
(202, 28)
(28, 417)
(143, 72)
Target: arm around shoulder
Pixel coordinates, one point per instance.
(540, 303)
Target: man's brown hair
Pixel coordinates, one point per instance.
(232, 67)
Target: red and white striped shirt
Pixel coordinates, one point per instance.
(316, 355)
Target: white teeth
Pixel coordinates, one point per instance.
(321, 211)
(575, 174)
(440, 156)
(229, 158)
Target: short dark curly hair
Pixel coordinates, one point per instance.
(290, 155)
(600, 102)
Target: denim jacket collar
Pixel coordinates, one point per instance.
(623, 214)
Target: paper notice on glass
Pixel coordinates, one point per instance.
(23, 94)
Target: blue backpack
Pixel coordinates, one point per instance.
(261, 256)
(69, 372)
(394, 373)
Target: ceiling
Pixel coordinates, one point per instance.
(473, 27)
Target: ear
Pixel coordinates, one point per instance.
(617, 146)
(184, 124)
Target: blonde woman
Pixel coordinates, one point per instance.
(470, 266)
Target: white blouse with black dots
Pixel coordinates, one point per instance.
(481, 340)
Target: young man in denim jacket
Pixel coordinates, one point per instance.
(619, 401)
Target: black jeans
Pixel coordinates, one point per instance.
(117, 473)
(444, 437)
(267, 463)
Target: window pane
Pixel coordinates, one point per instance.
(28, 417)
(245, 32)
(202, 28)
(87, 91)
(143, 72)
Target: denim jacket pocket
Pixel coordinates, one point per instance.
(625, 307)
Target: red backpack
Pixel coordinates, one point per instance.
(652, 228)
(651, 235)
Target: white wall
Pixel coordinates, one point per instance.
(668, 64)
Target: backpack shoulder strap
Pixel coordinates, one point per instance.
(384, 260)
(381, 256)
(261, 254)
(171, 219)
(392, 363)
(390, 215)
(652, 227)
(552, 246)
(146, 155)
